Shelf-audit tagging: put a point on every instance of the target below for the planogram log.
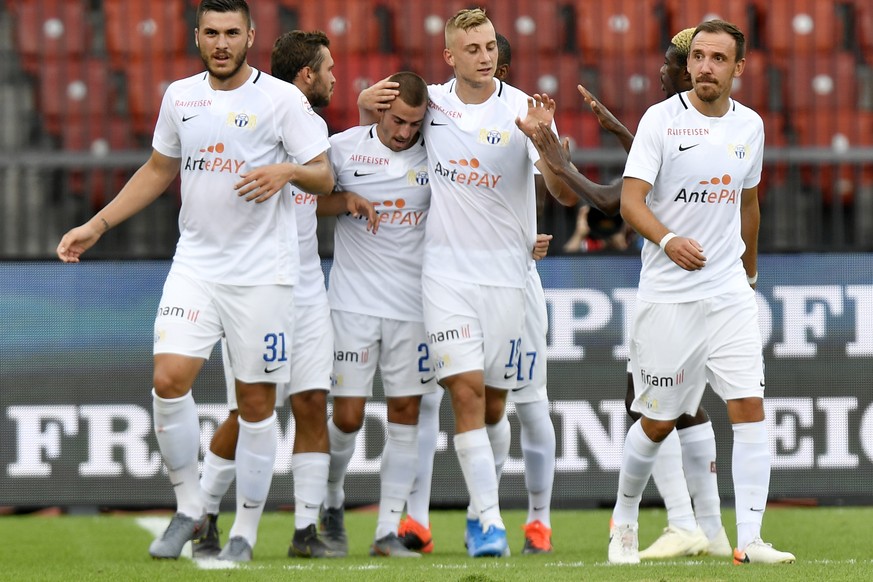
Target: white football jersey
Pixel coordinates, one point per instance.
(481, 172)
(698, 167)
(310, 289)
(219, 135)
(380, 275)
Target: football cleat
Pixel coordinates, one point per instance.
(208, 545)
(306, 543)
(415, 536)
(333, 530)
(537, 538)
(236, 550)
(623, 544)
(759, 552)
(390, 546)
(181, 530)
(676, 542)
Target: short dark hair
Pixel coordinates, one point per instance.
(716, 26)
(413, 89)
(224, 6)
(295, 50)
(504, 50)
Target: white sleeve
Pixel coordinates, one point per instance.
(303, 132)
(166, 137)
(644, 158)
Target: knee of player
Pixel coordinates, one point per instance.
(404, 410)
(348, 414)
(657, 430)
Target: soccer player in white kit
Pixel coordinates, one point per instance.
(235, 262)
(477, 251)
(304, 59)
(694, 167)
(376, 306)
(684, 470)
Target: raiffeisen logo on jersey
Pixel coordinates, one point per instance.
(398, 216)
(467, 172)
(494, 137)
(210, 163)
(242, 120)
(713, 191)
(417, 177)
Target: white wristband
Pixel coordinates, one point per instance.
(752, 280)
(667, 238)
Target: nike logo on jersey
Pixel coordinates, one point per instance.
(435, 124)
(509, 375)
(271, 370)
(184, 119)
(684, 148)
(358, 173)
(517, 389)
(426, 380)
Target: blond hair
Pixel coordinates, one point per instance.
(465, 20)
(682, 41)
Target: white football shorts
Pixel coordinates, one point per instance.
(311, 356)
(532, 357)
(474, 327)
(398, 347)
(676, 348)
(256, 320)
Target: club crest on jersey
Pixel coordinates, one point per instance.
(242, 120)
(738, 150)
(418, 177)
(494, 137)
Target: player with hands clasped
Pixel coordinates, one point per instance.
(694, 167)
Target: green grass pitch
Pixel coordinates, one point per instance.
(830, 544)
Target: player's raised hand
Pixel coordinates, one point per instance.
(555, 152)
(540, 109)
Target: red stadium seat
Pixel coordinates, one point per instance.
(863, 18)
(837, 130)
(629, 86)
(146, 83)
(533, 25)
(581, 127)
(753, 87)
(353, 74)
(683, 14)
(353, 27)
(618, 27)
(821, 82)
(46, 29)
(70, 88)
(800, 27)
(268, 27)
(554, 74)
(423, 26)
(153, 30)
(101, 136)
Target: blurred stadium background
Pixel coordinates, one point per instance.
(82, 82)
(80, 88)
